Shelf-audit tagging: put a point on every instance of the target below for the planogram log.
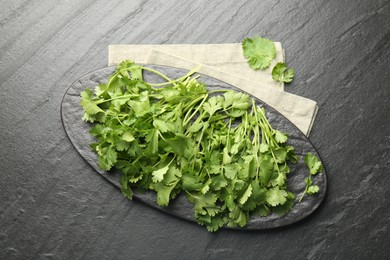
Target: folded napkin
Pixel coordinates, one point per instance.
(224, 62)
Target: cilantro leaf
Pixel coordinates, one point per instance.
(286, 207)
(125, 188)
(312, 189)
(158, 175)
(90, 106)
(127, 136)
(152, 139)
(246, 195)
(259, 52)
(276, 196)
(163, 126)
(140, 107)
(135, 70)
(313, 163)
(266, 168)
(280, 73)
(236, 100)
(280, 137)
(204, 204)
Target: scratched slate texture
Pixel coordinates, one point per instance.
(54, 206)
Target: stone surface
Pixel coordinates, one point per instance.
(53, 205)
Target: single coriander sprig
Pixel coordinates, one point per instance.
(315, 166)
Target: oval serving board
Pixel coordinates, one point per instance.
(78, 133)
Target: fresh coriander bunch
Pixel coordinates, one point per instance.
(217, 148)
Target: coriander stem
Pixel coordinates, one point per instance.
(169, 81)
(192, 103)
(120, 97)
(113, 76)
(304, 192)
(218, 91)
(157, 73)
(196, 110)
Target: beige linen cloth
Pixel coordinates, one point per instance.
(224, 62)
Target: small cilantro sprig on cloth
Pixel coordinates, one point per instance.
(260, 52)
(281, 73)
(215, 147)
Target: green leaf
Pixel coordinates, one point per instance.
(163, 126)
(121, 145)
(206, 187)
(191, 182)
(125, 188)
(158, 175)
(262, 210)
(226, 159)
(246, 195)
(218, 182)
(152, 139)
(236, 100)
(258, 197)
(281, 73)
(90, 106)
(204, 203)
(213, 104)
(127, 136)
(308, 181)
(291, 156)
(98, 130)
(195, 127)
(276, 196)
(128, 65)
(239, 217)
(280, 180)
(230, 171)
(280, 137)
(107, 158)
(263, 148)
(215, 223)
(259, 52)
(312, 189)
(287, 206)
(280, 154)
(182, 146)
(313, 163)
(140, 107)
(266, 168)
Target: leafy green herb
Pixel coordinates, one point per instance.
(281, 73)
(216, 147)
(315, 166)
(259, 52)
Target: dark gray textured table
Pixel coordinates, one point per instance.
(53, 204)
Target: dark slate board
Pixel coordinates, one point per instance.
(77, 131)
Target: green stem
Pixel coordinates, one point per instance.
(304, 193)
(112, 78)
(169, 81)
(192, 103)
(120, 97)
(218, 91)
(157, 73)
(185, 121)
